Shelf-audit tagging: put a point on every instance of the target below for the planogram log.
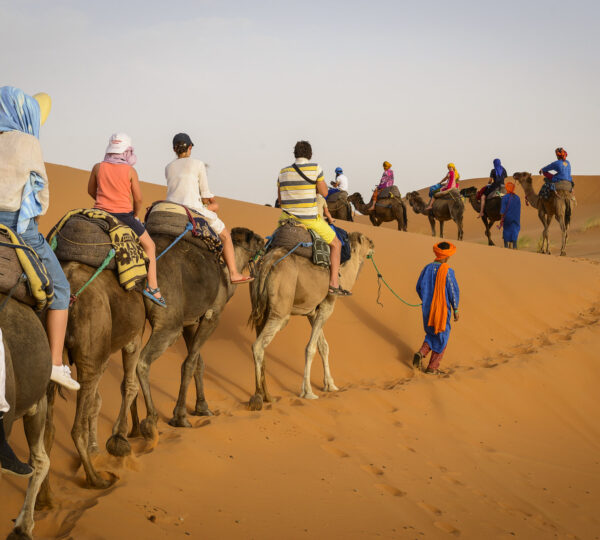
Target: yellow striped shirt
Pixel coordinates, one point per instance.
(299, 197)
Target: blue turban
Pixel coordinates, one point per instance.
(498, 168)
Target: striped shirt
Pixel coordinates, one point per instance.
(299, 197)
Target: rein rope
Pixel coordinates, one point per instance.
(380, 278)
(104, 264)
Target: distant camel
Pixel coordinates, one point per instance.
(391, 209)
(558, 206)
(444, 209)
(106, 318)
(340, 209)
(491, 212)
(297, 287)
(28, 364)
(196, 288)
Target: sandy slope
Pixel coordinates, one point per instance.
(506, 446)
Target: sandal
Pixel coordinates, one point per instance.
(245, 279)
(149, 293)
(338, 291)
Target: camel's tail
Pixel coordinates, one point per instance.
(259, 293)
(568, 212)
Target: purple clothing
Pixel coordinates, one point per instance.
(127, 157)
(387, 180)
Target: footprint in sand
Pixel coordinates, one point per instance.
(338, 452)
(394, 491)
(372, 469)
(430, 508)
(446, 527)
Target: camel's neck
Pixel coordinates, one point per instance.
(474, 202)
(361, 206)
(419, 206)
(530, 194)
(349, 272)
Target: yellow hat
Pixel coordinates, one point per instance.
(45, 104)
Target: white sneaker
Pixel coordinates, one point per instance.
(62, 375)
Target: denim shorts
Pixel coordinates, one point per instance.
(131, 221)
(33, 238)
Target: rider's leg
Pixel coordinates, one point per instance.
(335, 249)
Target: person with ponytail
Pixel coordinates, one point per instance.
(438, 290)
(187, 184)
(448, 183)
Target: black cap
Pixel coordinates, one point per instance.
(182, 138)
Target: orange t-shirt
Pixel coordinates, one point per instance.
(114, 188)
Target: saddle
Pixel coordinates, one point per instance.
(449, 194)
(22, 272)
(550, 188)
(294, 237)
(171, 219)
(87, 236)
(499, 192)
(391, 192)
(337, 196)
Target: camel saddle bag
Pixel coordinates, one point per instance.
(23, 275)
(292, 235)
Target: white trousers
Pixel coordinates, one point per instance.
(3, 403)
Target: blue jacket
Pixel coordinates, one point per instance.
(562, 169)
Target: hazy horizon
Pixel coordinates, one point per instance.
(419, 85)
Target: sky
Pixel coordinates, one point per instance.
(416, 83)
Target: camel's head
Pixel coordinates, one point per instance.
(360, 244)
(522, 177)
(468, 192)
(412, 197)
(247, 239)
(356, 198)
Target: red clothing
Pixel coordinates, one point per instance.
(436, 357)
(114, 188)
(452, 183)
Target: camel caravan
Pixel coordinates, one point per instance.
(89, 288)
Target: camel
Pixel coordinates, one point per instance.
(295, 286)
(105, 319)
(559, 206)
(491, 212)
(340, 209)
(28, 364)
(443, 210)
(385, 210)
(197, 289)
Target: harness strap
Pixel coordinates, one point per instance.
(299, 244)
(104, 264)
(188, 227)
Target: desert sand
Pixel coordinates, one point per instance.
(504, 446)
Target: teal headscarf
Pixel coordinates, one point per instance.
(21, 112)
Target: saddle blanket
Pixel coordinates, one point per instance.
(130, 259)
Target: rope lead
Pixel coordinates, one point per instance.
(380, 278)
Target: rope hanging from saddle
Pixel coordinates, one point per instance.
(105, 263)
(380, 279)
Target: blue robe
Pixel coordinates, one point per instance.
(425, 288)
(511, 210)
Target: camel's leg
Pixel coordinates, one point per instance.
(270, 329)
(560, 217)
(459, 224)
(545, 247)
(117, 444)
(323, 347)
(488, 225)
(317, 322)
(45, 500)
(86, 400)
(34, 431)
(93, 413)
(159, 342)
(431, 224)
(441, 229)
(135, 420)
(188, 368)
(207, 327)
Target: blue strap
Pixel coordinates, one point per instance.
(299, 244)
(188, 227)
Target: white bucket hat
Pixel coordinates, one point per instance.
(118, 143)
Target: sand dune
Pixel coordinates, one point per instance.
(505, 446)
